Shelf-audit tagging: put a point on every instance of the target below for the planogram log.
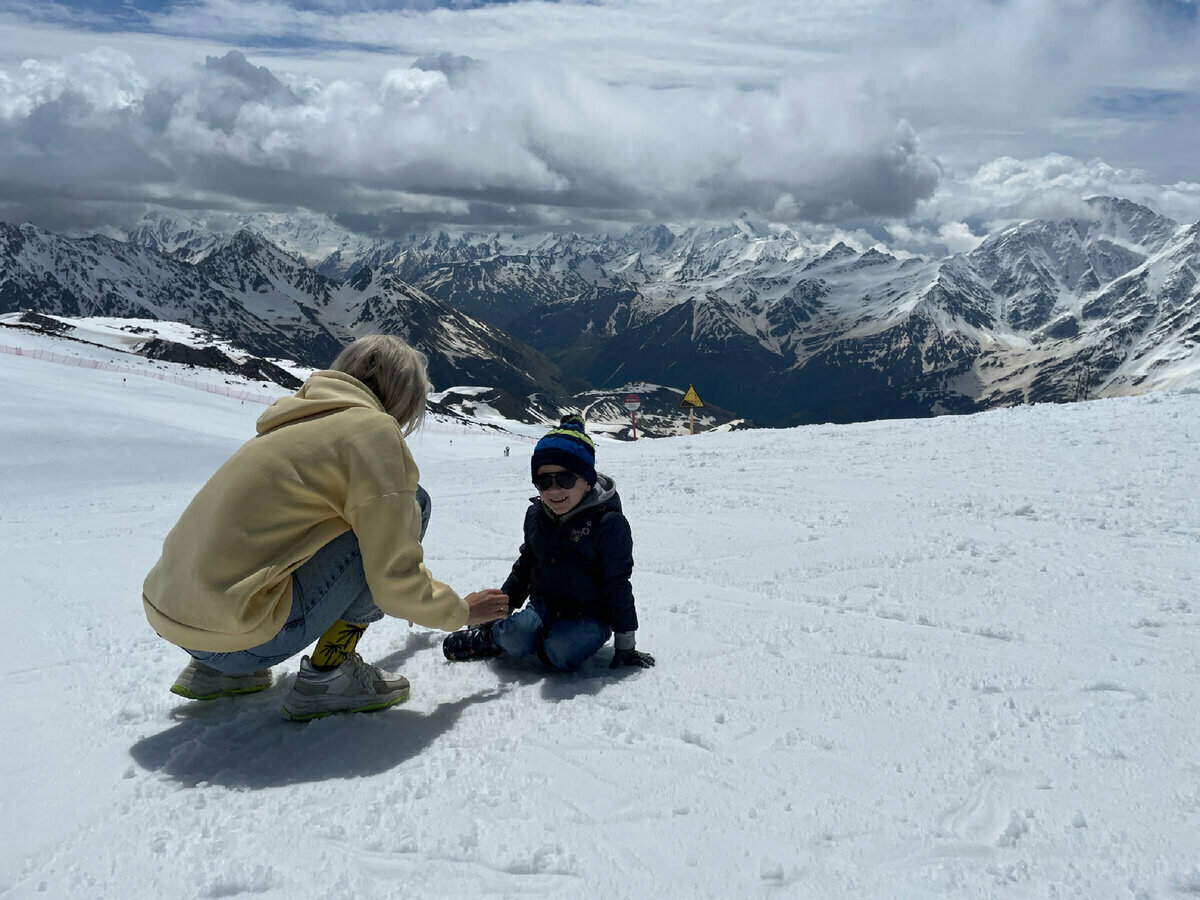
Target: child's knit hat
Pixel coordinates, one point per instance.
(568, 446)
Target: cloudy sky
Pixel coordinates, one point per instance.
(935, 119)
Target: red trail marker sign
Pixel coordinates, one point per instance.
(633, 403)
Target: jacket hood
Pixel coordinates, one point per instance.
(604, 491)
(324, 392)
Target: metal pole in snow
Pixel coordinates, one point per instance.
(633, 418)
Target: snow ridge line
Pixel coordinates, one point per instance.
(220, 390)
(80, 362)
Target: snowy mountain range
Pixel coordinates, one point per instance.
(249, 291)
(762, 322)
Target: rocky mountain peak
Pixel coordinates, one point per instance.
(873, 257)
(653, 239)
(1122, 219)
(839, 251)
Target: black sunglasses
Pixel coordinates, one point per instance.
(565, 480)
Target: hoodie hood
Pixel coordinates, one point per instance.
(324, 392)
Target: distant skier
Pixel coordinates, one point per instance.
(506, 452)
(574, 566)
(310, 532)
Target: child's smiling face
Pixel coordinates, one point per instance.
(560, 500)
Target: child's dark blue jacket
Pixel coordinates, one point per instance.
(579, 564)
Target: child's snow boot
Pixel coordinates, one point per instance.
(475, 642)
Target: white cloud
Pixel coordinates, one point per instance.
(937, 114)
(1053, 186)
(513, 137)
(958, 238)
(409, 87)
(104, 79)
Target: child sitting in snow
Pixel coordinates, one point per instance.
(574, 567)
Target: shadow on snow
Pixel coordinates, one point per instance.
(244, 742)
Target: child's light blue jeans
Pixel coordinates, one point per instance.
(564, 645)
(330, 586)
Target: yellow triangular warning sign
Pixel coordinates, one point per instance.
(691, 398)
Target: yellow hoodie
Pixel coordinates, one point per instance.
(325, 461)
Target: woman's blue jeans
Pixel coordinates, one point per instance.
(330, 586)
(565, 644)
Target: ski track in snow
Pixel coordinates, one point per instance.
(952, 657)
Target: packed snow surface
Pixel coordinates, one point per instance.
(942, 658)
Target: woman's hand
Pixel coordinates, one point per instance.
(486, 606)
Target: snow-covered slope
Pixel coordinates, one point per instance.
(940, 658)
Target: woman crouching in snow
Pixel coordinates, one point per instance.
(310, 532)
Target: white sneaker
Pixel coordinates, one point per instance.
(354, 686)
(200, 682)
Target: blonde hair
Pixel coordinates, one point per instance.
(394, 372)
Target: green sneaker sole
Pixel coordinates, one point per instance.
(182, 691)
(370, 707)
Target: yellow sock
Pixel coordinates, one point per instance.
(336, 644)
